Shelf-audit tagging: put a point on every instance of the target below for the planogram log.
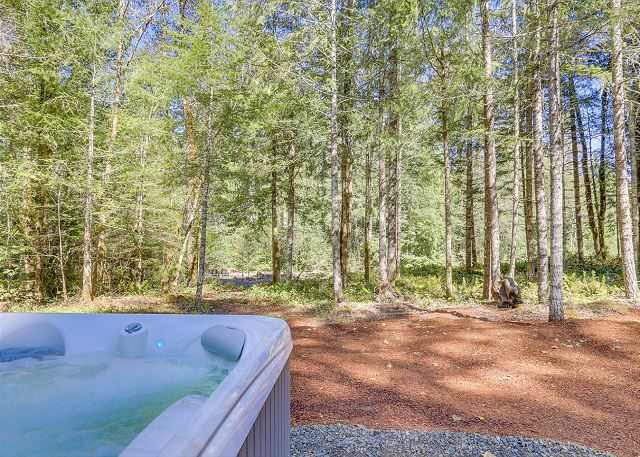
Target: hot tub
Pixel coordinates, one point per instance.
(139, 385)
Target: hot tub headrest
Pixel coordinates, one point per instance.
(226, 342)
(39, 338)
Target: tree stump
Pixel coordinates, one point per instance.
(506, 293)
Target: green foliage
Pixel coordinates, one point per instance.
(265, 65)
(317, 293)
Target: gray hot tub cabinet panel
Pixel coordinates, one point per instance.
(270, 434)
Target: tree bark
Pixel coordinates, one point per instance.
(138, 227)
(492, 228)
(346, 146)
(447, 205)
(384, 288)
(87, 275)
(602, 177)
(28, 224)
(393, 127)
(367, 217)
(345, 219)
(633, 158)
(538, 153)
(470, 254)
(204, 207)
(291, 207)
(556, 310)
(398, 205)
(528, 192)
(338, 294)
(576, 185)
(516, 148)
(622, 191)
(275, 237)
(63, 275)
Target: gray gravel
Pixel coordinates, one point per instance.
(352, 441)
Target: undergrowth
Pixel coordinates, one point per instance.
(593, 285)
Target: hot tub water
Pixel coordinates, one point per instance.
(94, 404)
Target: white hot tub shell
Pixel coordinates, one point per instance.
(247, 415)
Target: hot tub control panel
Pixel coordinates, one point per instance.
(132, 328)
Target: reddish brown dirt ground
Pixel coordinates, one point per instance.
(578, 381)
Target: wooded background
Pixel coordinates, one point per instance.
(372, 136)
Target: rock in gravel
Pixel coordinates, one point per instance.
(353, 441)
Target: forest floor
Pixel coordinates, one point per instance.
(459, 367)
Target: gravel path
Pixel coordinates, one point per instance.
(352, 441)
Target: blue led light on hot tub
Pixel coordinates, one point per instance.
(159, 344)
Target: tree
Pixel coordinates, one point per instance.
(602, 174)
(384, 287)
(470, 231)
(447, 204)
(87, 284)
(556, 312)
(622, 191)
(492, 229)
(347, 146)
(291, 206)
(528, 186)
(538, 158)
(338, 294)
(516, 147)
(633, 158)
(204, 206)
(586, 173)
(576, 183)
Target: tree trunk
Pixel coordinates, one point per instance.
(275, 237)
(338, 294)
(87, 275)
(492, 228)
(345, 219)
(602, 177)
(538, 155)
(367, 217)
(576, 185)
(447, 205)
(384, 289)
(516, 148)
(193, 197)
(192, 251)
(556, 310)
(204, 207)
(528, 192)
(622, 191)
(100, 265)
(470, 255)
(346, 146)
(633, 158)
(63, 275)
(138, 227)
(186, 234)
(291, 207)
(398, 205)
(586, 173)
(392, 202)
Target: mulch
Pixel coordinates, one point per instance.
(576, 381)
